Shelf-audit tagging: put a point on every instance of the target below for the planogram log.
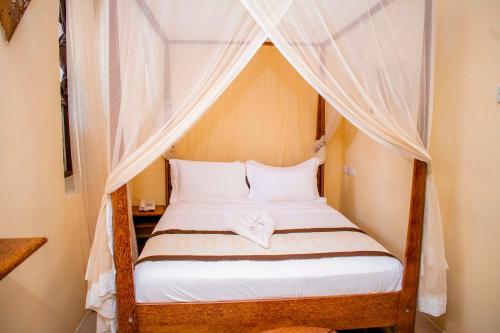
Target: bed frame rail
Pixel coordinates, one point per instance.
(336, 312)
(341, 312)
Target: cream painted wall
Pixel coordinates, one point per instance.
(466, 150)
(377, 198)
(149, 184)
(465, 146)
(46, 293)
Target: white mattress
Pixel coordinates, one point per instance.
(190, 281)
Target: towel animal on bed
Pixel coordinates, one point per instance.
(257, 227)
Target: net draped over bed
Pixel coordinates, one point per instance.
(144, 71)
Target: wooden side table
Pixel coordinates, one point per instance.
(145, 222)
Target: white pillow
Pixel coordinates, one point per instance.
(296, 183)
(208, 181)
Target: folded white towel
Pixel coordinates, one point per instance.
(257, 227)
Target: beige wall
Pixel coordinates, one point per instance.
(377, 198)
(466, 157)
(466, 150)
(46, 292)
(149, 184)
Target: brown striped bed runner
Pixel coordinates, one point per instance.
(228, 232)
(286, 244)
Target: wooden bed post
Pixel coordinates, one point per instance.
(320, 126)
(125, 293)
(320, 131)
(124, 279)
(409, 291)
(408, 299)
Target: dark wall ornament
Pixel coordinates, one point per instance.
(11, 12)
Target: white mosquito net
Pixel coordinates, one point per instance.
(144, 71)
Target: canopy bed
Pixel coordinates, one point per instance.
(166, 62)
(376, 309)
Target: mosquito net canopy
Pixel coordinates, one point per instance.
(143, 72)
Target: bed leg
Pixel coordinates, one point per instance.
(408, 300)
(125, 292)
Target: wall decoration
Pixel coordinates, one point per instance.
(11, 12)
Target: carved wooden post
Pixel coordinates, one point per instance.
(125, 293)
(320, 131)
(408, 301)
(320, 125)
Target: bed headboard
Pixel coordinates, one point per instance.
(320, 131)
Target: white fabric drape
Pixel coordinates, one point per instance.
(87, 103)
(87, 49)
(87, 28)
(160, 83)
(365, 58)
(433, 285)
(364, 74)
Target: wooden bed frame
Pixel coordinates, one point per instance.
(336, 312)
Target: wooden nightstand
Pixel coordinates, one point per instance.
(145, 222)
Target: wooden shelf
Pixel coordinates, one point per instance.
(159, 211)
(14, 251)
(146, 225)
(143, 234)
(145, 222)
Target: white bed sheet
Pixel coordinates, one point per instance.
(190, 281)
